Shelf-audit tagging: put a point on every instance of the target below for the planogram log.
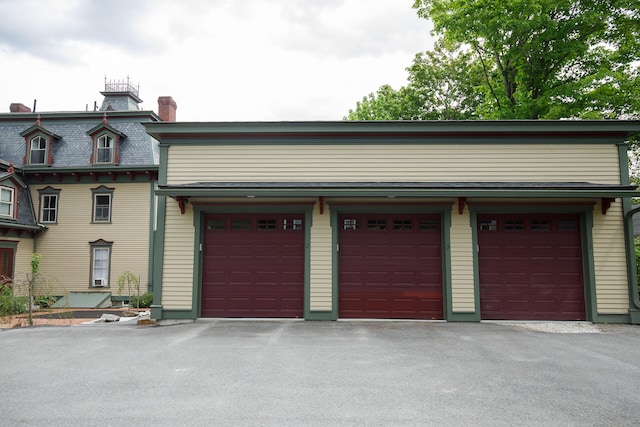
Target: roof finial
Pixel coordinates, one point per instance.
(104, 119)
(38, 120)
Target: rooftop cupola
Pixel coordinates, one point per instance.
(120, 95)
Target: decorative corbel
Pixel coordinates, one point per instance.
(606, 204)
(462, 201)
(182, 203)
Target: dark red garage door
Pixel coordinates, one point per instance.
(530, 267)
(390, 266)
(253, 265)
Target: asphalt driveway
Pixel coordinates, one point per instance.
(213, 373)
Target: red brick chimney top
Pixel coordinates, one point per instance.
(167, 109)
(17, 107)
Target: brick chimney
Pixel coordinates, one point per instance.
(167, 109)
(16, 107)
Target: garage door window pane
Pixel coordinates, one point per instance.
(402, 224)
(540, 225)
(376, 224)
(241, 224)
(350, 224)
(488, 225)
(292, 224)
(215, 224)
(514, 225)
(429, 225)
(267, 224)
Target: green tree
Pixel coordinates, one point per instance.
(547, 58)
(444, 84)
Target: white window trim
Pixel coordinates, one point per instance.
(102, 277)
(54, 209)
(46, 150)
(11, 202)
(95, 207)
(112, 149)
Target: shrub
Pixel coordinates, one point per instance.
(143, 301)
(11, 304)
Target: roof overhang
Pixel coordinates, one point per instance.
(184, 132)
(399, 189)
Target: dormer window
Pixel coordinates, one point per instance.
(39, 141)
(105, 149)
(7, 196)
(38, 150)
(105, 139)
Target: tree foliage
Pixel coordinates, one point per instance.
(443, 85)
(547, 58)
(533, 59)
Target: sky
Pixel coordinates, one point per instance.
(220, 60)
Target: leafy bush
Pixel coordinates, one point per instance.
(144, 301)
(44, 301)
(11, 304)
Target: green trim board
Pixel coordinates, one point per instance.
(158, 258)
(196, 133)
(400, 189)
(586, 225)
(153, 218)
(442, 208)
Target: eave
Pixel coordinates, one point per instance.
(94, 173)
(399, 189)
(466, 131)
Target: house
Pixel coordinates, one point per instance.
(78, 188)
(460, 221)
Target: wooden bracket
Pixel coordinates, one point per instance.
(462, 201)
(182, 203)
(606, 204)
(321, 202)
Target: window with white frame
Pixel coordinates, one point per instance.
(6, 201)
(48, 208)
(102, 204)
(100, 263)
(38, 150)
(104, 149)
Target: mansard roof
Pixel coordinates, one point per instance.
(74, 145)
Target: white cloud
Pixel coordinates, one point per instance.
(220, 60)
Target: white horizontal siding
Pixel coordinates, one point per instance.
(610, 261)
(446, 162)
(320, 273)
(177, 272)
(65, 246)
(462, 278)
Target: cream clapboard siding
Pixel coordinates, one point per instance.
(320, 274)
(610, 261)
(445, 162)
(21, 262)
(65, 248)
(462, 280)
(177, 271)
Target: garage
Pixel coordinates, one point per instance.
(530, 267)
(390, 266)
(253, 265)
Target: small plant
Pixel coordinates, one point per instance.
(10, 304)
(143, 301)
(130, 282)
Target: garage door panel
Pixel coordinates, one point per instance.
(532, 273)
(390, 266)
(253, 266)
